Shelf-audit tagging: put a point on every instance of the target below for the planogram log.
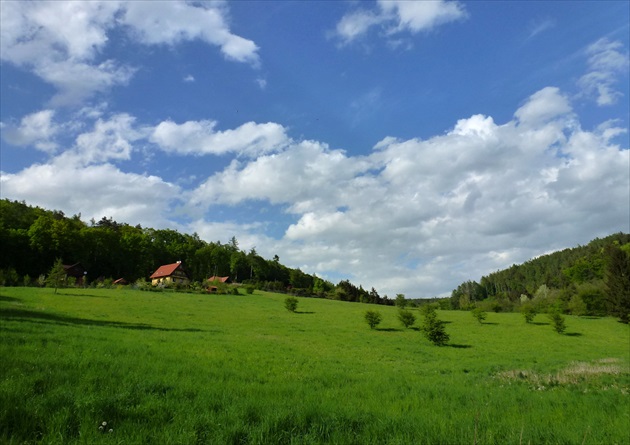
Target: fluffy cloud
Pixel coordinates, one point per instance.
(36, 129)
(306, 175)
(174, 22)
(110, 139)
(417, 216)
(62, 41)
(394, 16)
(605, 62)
(421, 16)
(543, 106)
(95, 191)
(200, 138)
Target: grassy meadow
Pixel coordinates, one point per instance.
(177, 368)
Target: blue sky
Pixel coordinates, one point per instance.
(404, 145)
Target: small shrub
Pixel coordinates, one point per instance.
(373, 318)
(427, 309)
(250, 289)
(406, 317)
(529, 312)
(557, 319)
(479, 314)
(291, 304)
(142, 284)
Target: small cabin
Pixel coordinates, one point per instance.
(75, 270)
(170, 274)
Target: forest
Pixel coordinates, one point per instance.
(585, 280)
(33, 238)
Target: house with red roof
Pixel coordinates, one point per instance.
(170, 274)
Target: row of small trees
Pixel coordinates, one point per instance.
(432, 327)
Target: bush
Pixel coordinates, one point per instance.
(479, 314)
(250, 289)
(529, 312)
(433, 328)
(406, 317)
(558, 322)
(577, 305)
(141, 284)
(291, 304)
(9, 277)
(373, 318)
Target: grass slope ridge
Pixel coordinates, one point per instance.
(186, 368)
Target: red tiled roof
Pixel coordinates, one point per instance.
(166, 270)
(219, 279)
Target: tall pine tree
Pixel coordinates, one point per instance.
(618, 282)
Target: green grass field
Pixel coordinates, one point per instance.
(175, 368)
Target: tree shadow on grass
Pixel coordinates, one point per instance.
(389, 329)
(11, 299)
(303, 312)
(51, 318)
(82, 295)
(574, 334)
(458, 346)
(491, 323)
(539, 323)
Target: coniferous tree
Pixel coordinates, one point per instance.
(432, 327)
(618, 283)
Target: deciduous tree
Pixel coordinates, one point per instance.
(56, 275)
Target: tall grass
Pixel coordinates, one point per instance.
(185, 368)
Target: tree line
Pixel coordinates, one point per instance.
(33, 238)
(586, 280)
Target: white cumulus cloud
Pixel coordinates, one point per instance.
(95, 191)
(62, 42)
(395, 16)
(36, 129)
(200, 138)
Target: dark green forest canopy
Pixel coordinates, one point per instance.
(596, 275)
(33, 238)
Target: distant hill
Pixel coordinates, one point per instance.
(559, 279)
